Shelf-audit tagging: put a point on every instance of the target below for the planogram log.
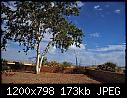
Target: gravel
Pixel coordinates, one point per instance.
(45, 78)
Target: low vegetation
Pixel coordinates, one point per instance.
(108, 66)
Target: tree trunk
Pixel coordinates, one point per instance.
(42, 57)
(38, 59)
(39, 63)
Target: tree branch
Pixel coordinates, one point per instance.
(44, 53)
(47, 48)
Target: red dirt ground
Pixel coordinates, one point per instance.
(44, 78)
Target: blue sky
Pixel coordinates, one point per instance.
(103, 24)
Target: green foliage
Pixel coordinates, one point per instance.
(3, 60)
(5, 67)
(67, 64)
(108, 66)
(44, 62)
(53, 64)
(43, 15)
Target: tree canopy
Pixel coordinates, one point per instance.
(28, 23)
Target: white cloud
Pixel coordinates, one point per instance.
(52, 50)
(124, 43)
(93, 56)
(13, 54)
(117, 11)
(112, 48)
(96, 6)
(80, 4)
(95, 35)
(73, 47)
(112, 53)
(47, 37)
(11, 5)
(52, 4)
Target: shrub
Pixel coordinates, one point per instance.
(6, 68)
(66, 64)
(53, 64)
(108, 66)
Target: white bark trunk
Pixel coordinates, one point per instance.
(37, 64)
(41, 61)
(38, 59)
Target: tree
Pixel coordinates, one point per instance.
(67, 64)
(28, 23)
(110, 66)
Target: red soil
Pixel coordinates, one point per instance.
(43, 78)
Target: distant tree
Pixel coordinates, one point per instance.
(28, 23)
(66, 64)
(110, 66)
(4, 61)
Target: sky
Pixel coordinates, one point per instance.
(103, 26)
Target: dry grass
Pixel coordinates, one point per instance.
(44, 78)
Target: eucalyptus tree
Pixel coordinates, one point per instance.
(28, 22)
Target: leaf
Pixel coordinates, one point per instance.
(64, 32)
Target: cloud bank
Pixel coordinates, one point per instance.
(112, 53)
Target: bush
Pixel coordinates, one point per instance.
(108, 66)
(17, 66)
(6, 68)
(53, 64)
(66, 64)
